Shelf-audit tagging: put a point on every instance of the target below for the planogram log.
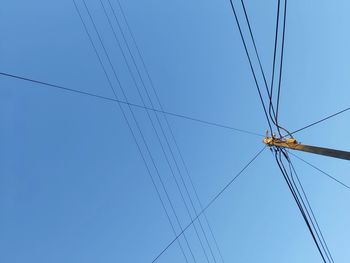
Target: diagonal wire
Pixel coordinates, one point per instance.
(211, 202)
(140, 151)
(151, 120)
(168, 125)
(210, 123)
(318, 169)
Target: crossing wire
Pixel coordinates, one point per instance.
(140, 131)
(151, 121)
(160, 105)
(211, 202)
(80, 92)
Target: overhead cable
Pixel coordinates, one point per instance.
(210, 123)
(139, 129)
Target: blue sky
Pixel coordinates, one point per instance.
(73, 187)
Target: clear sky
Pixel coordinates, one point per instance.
(73, 186)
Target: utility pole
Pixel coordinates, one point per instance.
(292, 144)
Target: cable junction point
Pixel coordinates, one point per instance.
(291, 143)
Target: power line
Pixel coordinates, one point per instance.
(144, 140)
(139, 129)
(260, 64)
(210, 123)
(296, 198)
(168, 125)
(151, 121)
(210, 203)
(318, 169)
(322, 120)
(250, 63)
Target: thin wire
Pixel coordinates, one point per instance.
(322, 120)
(152, 123)
(160, 124)
(210, 123)
(250, 63)
(115, 94)
(318, 169)
(210, 203)
(148, 150)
